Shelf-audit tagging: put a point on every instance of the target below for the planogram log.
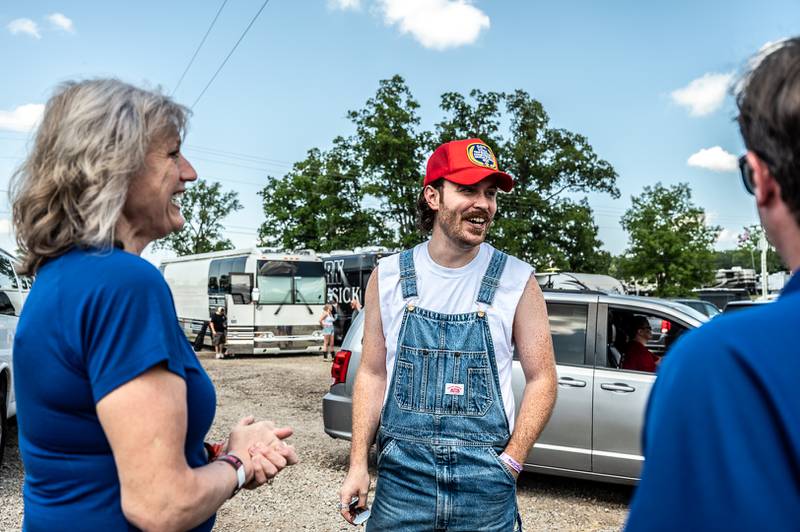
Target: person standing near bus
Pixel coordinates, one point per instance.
(442, 322)
(219, 326)
(355, 307)
(326, 321)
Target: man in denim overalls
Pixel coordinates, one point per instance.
(442, 322)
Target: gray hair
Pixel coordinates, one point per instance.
(91, 143)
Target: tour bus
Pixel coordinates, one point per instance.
(273, 300)
(346, 275)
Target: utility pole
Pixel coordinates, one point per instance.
(764, 246)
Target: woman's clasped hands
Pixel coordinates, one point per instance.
(262, 449)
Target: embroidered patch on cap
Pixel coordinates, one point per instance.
(453, 389)
(481, 155)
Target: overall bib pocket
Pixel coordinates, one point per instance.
(443, 382)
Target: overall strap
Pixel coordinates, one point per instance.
(408, 275)
(491, 279)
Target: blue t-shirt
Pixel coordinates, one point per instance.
(93, 321)
(722, 433)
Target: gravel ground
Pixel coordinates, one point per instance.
(289, 390)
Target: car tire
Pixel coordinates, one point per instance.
(3, 413)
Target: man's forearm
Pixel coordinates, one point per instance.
(367, 405)
(537, 405)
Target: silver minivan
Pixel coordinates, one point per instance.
(595, 429)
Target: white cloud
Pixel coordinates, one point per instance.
(344, 5)
(704, 95)
(436, 24)
(715, 159)
(728, 238)
(23, 118)
(24, 25)
(60, 21)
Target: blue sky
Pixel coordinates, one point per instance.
(644, 81)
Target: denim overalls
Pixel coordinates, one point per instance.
(443, 423)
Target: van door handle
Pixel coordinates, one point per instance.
(618, 387)
(569, 381)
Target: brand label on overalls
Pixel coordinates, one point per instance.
(453, 389)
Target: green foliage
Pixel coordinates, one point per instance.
(317, 204)
(747, 254)
(203, 206)
(670, 243)
(391, 152)
(537, 221)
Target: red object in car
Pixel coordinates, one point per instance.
(339, 368)
(666, 325)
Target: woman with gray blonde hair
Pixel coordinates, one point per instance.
(113, 405)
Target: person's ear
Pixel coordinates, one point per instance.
(432, 196)
(766, 188)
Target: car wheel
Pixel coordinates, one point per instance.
(3, 420)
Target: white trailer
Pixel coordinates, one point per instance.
(273, 300)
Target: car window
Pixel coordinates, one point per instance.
(637, 340)
(568, 323)
(5, 305)
(7, 278)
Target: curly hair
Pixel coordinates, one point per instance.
(768, 99)
(92, 141)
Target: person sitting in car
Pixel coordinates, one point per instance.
(637, 357)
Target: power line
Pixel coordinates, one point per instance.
(225, 180)
(239, 155)
(198, 47)
(227, 163)
(230, 53)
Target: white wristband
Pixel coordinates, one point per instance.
(510, 462)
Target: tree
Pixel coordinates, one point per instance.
(749, 243)
(538, 221)
(317, 204)
(748, 254)
(670, 242)
(203, 206)
(391, 152)
(541, 221)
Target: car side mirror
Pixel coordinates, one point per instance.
(255, 295)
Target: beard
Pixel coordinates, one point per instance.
(457, 228)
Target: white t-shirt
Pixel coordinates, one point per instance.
(454, 291)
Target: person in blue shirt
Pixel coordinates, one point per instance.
(722, 431)
(113, 404)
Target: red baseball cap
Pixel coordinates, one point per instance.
(465, 162)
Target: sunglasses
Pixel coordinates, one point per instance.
(747, 174)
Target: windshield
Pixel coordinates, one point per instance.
(290, 283)
(310, 290)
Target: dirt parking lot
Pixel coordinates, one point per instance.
(289, 390)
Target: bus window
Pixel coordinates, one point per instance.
(290, 282)
(310, 290)
(213, 276)
(225, 268)
(238, 265)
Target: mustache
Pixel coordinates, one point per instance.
(479, 213)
